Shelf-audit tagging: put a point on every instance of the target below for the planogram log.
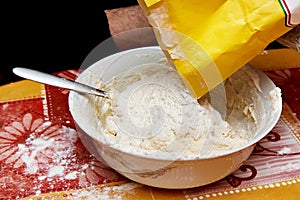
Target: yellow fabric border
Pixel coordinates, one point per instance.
(116, 190)
(21, 90)
(277, 190)
(287, 189)
(277, 59)
(291, 120)
(151, 2)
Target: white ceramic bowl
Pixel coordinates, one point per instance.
(150, 171)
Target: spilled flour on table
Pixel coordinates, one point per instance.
(49, 157)
(109, 192)
(55, 144)
(284, 150)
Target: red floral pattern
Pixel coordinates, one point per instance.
(40, 150)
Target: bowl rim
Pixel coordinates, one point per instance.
(226, 153)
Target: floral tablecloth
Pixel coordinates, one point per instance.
(42, 157)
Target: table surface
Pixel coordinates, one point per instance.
(42, 157)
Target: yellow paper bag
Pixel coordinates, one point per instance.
(209, 40)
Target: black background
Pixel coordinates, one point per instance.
(52, 35)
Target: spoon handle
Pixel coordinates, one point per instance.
(57, 81)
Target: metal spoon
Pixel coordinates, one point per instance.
(57, 81)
